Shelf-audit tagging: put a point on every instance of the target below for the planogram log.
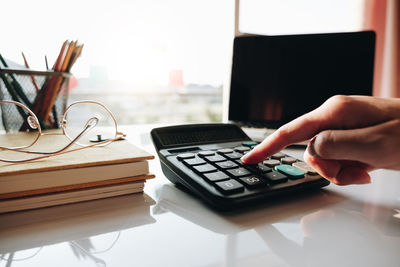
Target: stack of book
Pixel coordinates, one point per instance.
(119, 168)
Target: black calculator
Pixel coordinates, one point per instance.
(205, 159)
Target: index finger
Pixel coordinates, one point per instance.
(298, 130)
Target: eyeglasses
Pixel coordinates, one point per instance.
(85, 123)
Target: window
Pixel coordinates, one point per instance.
(147, 60)
(306, 16)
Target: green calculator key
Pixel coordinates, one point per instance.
(249, 143)
(290, 170)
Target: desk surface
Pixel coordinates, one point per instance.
(336, 226)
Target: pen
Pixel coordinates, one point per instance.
(17, 87)
(45, 61)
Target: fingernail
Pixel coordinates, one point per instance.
(243, 158)
(311, 148)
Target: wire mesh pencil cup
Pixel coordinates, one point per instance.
(30, 82)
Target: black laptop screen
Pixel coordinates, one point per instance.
(278, 78)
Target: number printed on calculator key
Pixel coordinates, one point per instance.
(253, 181)
(229, 186)
(239, 172)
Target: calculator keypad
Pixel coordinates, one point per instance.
(223, 169)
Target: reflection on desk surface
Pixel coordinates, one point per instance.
(338, 230)
(75, 223)
(282, 209)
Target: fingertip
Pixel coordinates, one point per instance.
(253, 156)
(244, 158)
(250, 158)
(353, 175)
(311, 148)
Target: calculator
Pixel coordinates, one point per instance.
(205, 159)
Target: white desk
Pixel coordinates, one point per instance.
(336, 226)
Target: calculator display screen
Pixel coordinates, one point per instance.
(187, 136)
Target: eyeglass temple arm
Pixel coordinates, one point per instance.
(92, 122)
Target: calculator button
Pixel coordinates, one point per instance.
(185, 156)
(249, 143)
(253, 181)
(293, 172)
(195, 161)
(206, 153)
(262, 168)
(278, 155)
(204, 168)
(276, 177)
(271, 162)
(239, 162)
(288, 160)
(258, 168)
(215, 176)
(242, 149)
(227, 165)
(234, 155)
(304, 167)
(225, 150)
(239, 172)
(229, 186)
(215, 158)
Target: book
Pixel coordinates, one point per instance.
(19, 182)
(119, 168)
(63, 188)
(69, 196)
(119, 159)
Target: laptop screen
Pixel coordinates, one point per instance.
(275, 79)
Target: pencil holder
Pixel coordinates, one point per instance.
(38, 90)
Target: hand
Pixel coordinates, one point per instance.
(351, 135)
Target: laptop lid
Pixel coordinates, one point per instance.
(275, 79)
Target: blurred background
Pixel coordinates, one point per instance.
(166, 61)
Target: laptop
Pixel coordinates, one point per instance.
(276, 79)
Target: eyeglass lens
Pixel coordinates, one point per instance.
(77, 117)
(13, 119)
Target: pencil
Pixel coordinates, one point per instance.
(40, 101)
(58, 82)
(32, 77)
